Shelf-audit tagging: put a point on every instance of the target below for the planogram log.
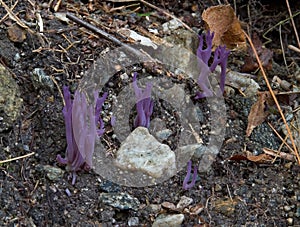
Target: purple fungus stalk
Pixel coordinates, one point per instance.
(220, 58)
(81, 121)
(144, 104)
(186, 185)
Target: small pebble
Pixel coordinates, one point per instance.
(195, 210)
(184, 202)
(218, 188)
(68, 192)
(297, 214)
(124, 76)
(290, 221)
(133, 221)
(287, 208)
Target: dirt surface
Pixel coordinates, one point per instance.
(231, 193)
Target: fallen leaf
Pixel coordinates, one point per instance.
(238, 158)
(262, 158)
(265, 55)
(259, 111)
(223, 22)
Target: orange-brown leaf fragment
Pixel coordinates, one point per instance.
(223, 22)
(262, 158)
(259, 111)
(238, 158)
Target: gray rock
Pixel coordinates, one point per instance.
(133, 221)
(53, 173)
(142, 152)
(174, 220)
(241, 81)
(10, 101)
(171, 25)
(184, 202)
(163, 134)
(41, 79)
(121, 200)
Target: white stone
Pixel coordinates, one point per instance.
(142, 152)
(174, 220)
(184, 202)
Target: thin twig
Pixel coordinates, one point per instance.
(14, 17)
(16, 158)
(282, 49)
(7, 14)
(282, 140)
(293, 23)
(59, 90)
(283, 155)
(279, 23)
(291, 47)
(105, 35)
(168, 14)
(274, 98)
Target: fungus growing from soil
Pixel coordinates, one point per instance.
(220, 58)
(144, 104)
(187, 186)
(83, 125)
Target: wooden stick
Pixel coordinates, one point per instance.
(104, 34)
(283, 155)
(16, 158)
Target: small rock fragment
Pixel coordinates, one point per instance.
(121, 200)
(10, 101)
(53, 173)
(133, 221)
(184, 202)
(195, 210)
(171, 25)
(174, 220)
(290, 221)
(41, 79)
(168, 205)
(142, 152)
(16, 34)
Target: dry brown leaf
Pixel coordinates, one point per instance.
(238, 158)
(262, 158)
(259, 111)
(223, 22)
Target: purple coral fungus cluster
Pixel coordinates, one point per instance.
(83, 125)
(220, 58)
(144, 104)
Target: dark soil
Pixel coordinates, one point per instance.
(232, 193)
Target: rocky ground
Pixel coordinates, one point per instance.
(235, 186)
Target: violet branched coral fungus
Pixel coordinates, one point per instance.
(83, 126)
(187, 186)
(144, 104)
(220, 58)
